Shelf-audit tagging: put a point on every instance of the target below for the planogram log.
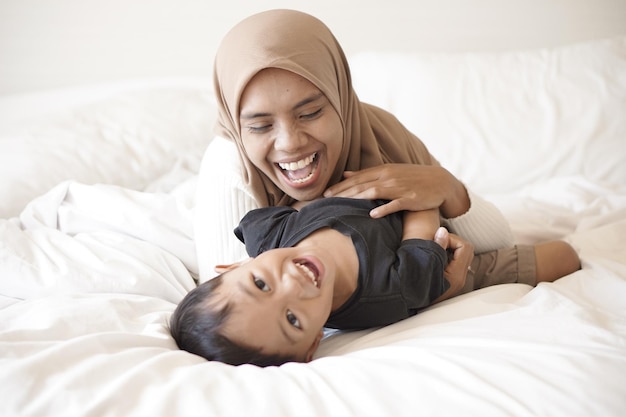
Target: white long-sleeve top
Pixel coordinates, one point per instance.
(222, 199)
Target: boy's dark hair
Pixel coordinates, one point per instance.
(197, 327)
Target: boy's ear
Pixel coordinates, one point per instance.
(314, 346)
(220, 269)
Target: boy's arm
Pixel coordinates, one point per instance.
(425, 225)
(421, 260)
(420, 224)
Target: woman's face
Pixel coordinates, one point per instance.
(290, 132)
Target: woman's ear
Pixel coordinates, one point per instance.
(220, 269)
(314, 346)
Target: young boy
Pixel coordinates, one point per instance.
(328, 265)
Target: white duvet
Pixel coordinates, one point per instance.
(89, 274)
(86, 301)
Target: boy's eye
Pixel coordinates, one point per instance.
(293, 320)
(260, 284)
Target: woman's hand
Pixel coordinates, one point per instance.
(407, 186)
(456, 271)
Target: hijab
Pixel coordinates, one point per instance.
(300, 43)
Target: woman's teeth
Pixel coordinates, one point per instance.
(293, 166)
(301, 180)
(308, 273)
(299, 172)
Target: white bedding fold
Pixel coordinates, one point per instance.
(561, 206)
(98, 238)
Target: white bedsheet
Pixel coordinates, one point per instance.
(90, 337)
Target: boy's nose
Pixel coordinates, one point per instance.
(299, 286)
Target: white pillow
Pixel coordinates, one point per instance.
(503, 120)
(128, 136)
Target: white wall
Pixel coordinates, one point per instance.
(56, 43)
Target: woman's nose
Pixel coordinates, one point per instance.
(289, 138)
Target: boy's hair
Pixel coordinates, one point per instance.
(197, 326)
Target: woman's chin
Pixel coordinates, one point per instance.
(303, 191)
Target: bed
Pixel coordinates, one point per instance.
(100, 197)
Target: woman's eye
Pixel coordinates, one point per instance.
(260, 284)
(259, 129)
(312, 115)
(293, 320)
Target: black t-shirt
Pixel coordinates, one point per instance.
(396, 278)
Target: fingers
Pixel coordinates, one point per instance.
(442, 237)
(344, 189)
(354, 183)
(388, 208)
(405, 186)
(463, 253)
(456, 243)
(456, 271)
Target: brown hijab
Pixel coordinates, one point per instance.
(300, 43)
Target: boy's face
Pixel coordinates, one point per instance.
(281, 300)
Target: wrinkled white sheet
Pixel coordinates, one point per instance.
(99, 270)
(98, 239)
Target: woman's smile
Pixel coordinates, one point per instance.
(301, 173)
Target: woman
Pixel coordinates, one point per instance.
(286, 102)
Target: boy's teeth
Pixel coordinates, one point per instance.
(308, 272)
(292, 166)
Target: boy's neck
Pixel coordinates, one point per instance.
(346, 260)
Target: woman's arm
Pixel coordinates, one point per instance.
(221, 202)
(484, 225)
(423, 187)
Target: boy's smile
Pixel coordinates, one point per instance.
(281, 300)
(313, 269)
